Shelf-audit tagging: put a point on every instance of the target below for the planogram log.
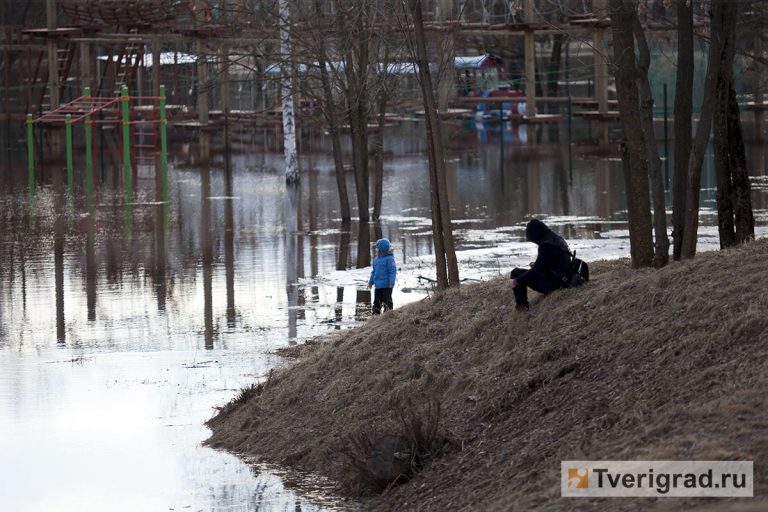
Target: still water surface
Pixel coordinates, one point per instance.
(122, 328)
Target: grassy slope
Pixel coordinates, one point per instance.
(668, 364)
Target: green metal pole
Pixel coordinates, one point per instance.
(127, 170)
(70, 165)
(163, 144)
(88, 151)
(30, 156)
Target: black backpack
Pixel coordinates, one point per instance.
(579, 272)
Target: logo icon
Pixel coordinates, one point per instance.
(578, 478)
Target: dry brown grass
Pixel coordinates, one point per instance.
(639, 364)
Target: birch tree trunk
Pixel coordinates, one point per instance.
(289, 122)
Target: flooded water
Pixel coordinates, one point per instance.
(123, 327)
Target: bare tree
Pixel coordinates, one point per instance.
(330, 112)
(703, 130)
(735, 220)
(661, 248)
(378, 142)
(683, 123)
(623, 18)
(445, 252)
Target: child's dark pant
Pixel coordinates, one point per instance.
(382, 296)
(544, 284)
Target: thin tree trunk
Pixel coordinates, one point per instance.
(338, 157)
(722, 137)
(359, 139)
(342, 259)
(356, 69)
(441, 265)
(437, 153)
(745, 220)
(725, 225)
(661, 248)
(378, 143)
(683, 124)
(734, 207)
(703, 130)
(638, 196)
(445, 205)
(739, 176)
(333, 127)
(289, 121)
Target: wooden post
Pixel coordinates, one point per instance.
(70, 164)
(127, 168)
(202, 83)
(30, 156)
(6, 80)
(163, 146)
(530, 70)
(27, 56)
(86, 75)
(88, 151)
(156, 66)
(600, 57)
(224, 77)
(53, 57)
(758, 95)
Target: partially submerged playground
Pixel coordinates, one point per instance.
(143, 125)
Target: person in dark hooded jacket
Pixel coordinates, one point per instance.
(547, 273)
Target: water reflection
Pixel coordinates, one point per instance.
(229, 240)
(206, 241)
(90, 264)
(291, 201)
(58, 271)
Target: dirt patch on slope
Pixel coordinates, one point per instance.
(639, 364)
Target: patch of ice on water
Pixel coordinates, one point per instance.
(466, 221)
(560, 220)
(403, 219)
(482, 235)
(325, 232)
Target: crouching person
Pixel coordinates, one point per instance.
(550, 270)
(383, 276)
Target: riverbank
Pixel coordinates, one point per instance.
(639, 364)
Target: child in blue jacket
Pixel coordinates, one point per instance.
(383, 276)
